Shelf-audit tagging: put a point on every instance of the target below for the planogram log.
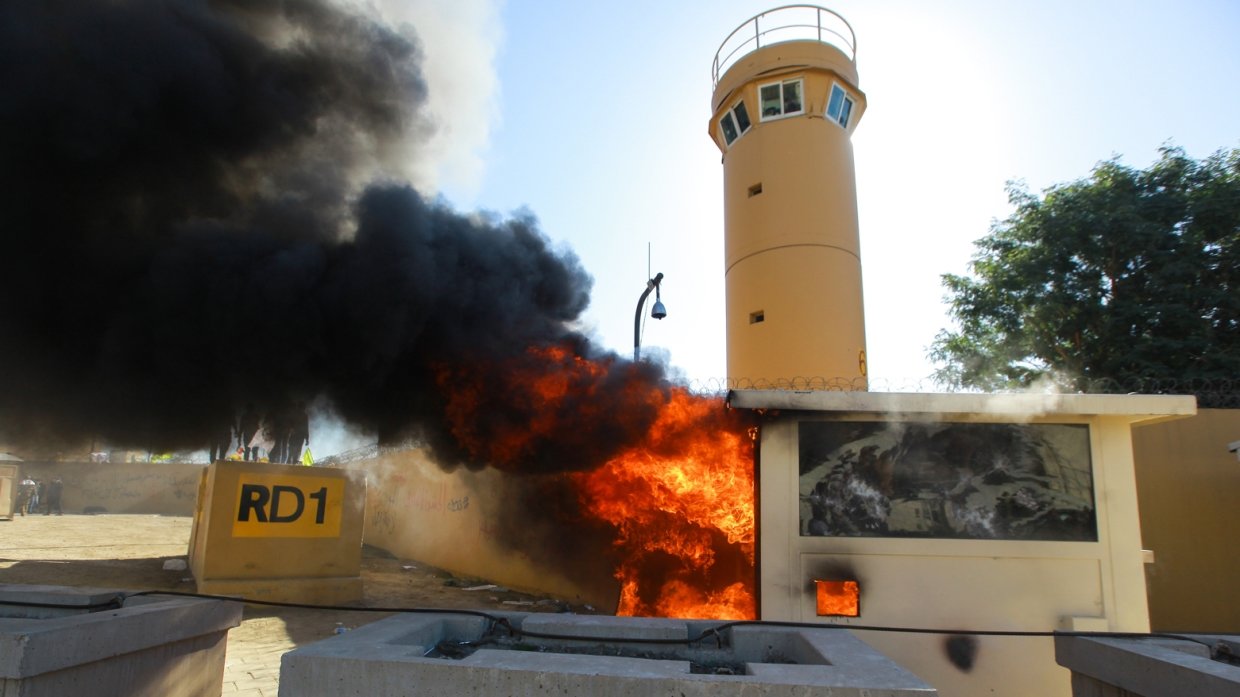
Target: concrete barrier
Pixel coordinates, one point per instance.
(1151, 667)
(279, 532)
(456, 654)
(152, 645)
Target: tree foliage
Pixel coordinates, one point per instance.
(1127, 274)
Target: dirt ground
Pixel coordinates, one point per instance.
(128, 552)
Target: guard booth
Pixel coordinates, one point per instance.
(9, 482)
(279, 532)
(1006, 513)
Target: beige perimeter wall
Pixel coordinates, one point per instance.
(1188, 485)
(122, 487)
(513, 530)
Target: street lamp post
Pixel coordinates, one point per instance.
(657, 312)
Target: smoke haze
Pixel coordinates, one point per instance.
(460, 39)
(202, 208)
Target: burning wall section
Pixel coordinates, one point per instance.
(663, 528)
(485, 524)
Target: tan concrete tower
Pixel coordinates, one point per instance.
(785, 103)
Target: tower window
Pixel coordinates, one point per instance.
(781, 98)
(839, 107)
(756, 317)
(734, 123)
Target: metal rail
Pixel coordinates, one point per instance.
(785, 23)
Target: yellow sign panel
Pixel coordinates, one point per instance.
(280, 505)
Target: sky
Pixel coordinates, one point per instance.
(593, 118)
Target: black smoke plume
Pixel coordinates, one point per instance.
(200, 209)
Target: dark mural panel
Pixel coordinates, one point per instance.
(946, 480)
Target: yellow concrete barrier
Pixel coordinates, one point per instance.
(279, 532)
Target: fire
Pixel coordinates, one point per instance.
(838, 598)
(682, 504)
(549, 409)
(670, 471)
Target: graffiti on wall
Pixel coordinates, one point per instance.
(946, 480)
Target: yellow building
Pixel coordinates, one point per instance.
(785, 103)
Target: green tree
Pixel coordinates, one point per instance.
(1128, 276)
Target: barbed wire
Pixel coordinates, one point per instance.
(368, 452)
(1215, 393)
(719, 387)
(1218, 393)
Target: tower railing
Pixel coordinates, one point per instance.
(786, 23)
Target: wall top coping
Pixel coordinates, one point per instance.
(1130, 408)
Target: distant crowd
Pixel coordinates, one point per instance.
(281, 435)
(34, 495)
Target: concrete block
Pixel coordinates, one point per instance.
(1153, 667)
(151, 645)
(442, 653)
(53, 601)
(279, 532)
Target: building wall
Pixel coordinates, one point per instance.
(1188, 485)
(1022, 585)
(122, 487)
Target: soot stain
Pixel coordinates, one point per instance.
(961, 651)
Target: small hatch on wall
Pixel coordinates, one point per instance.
(756, 317)
(838, 598)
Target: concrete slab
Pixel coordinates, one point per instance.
(440, 653)
(44, 601)
(1152, 667)
(151, 646)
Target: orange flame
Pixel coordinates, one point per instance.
(680, 500)
(838, 598)
(547, 400)
(676, 483)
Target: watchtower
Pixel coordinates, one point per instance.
(786, 102)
